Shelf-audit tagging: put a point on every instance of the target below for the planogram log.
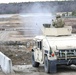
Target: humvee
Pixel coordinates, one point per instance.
(56, 47)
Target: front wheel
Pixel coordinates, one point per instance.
(46, 65)
(34, 63)
(49, 65)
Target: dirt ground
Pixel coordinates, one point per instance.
(11, 29)
(63, 70)
(18, 55)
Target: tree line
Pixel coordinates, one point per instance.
(37, 7)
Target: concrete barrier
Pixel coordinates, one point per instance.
(5, 64)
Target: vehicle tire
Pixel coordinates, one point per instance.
(34, 63)
(46, 65)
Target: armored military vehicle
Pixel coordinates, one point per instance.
(56, 47)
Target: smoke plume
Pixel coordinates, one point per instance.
(35, 16)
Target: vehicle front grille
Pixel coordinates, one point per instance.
(67, 53)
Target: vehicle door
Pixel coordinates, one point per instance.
(39, 43)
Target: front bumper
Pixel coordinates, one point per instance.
(66, 62)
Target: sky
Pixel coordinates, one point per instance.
(11, 1)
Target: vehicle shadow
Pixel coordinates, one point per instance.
(60, 69)
(66, 69)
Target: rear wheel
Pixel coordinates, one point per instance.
(34, 63)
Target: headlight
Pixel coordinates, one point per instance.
(56, 52)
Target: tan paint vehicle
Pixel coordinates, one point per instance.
(56, 47)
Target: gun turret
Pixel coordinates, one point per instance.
(52, 31)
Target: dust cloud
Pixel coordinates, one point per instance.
(35, 17)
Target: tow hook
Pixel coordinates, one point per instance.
(69, 62)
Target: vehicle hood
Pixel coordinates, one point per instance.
(63, 43)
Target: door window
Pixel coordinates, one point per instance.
(39, 45)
